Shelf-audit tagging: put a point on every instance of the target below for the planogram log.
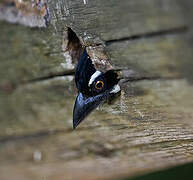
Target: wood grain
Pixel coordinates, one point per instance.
(164, 56)
(149, 127)
(107, 20)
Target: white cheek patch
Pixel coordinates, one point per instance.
(115, 89)
(93, 77)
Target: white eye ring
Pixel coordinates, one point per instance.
(99, 85)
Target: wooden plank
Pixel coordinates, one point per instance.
(150, 123)
(148, 128)
(161, 56)
(28, 53)
(38, 106)
(107, 20)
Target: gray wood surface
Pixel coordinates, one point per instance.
(107, 20)
(149, 127)
(165, 56)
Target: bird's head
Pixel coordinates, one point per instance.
(94, 87)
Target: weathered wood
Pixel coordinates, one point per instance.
(35, 107)
(107, 20)
(27, 56)
(146, 131)
(164, 56)
(150, 125)
(28, 53)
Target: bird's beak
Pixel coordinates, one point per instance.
(85, 105)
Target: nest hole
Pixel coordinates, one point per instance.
(74, 46)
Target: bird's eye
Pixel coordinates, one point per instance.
(99, 85)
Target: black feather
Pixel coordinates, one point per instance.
(84, 70)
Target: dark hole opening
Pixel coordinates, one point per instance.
(74, 46)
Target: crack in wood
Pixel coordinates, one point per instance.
(43, 133)
(146, 78)
(177, 30)
(69, 72)
(10, 86)
(33, 135)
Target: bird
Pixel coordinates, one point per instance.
(96, 81)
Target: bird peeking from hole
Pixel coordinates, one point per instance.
(94, 87)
